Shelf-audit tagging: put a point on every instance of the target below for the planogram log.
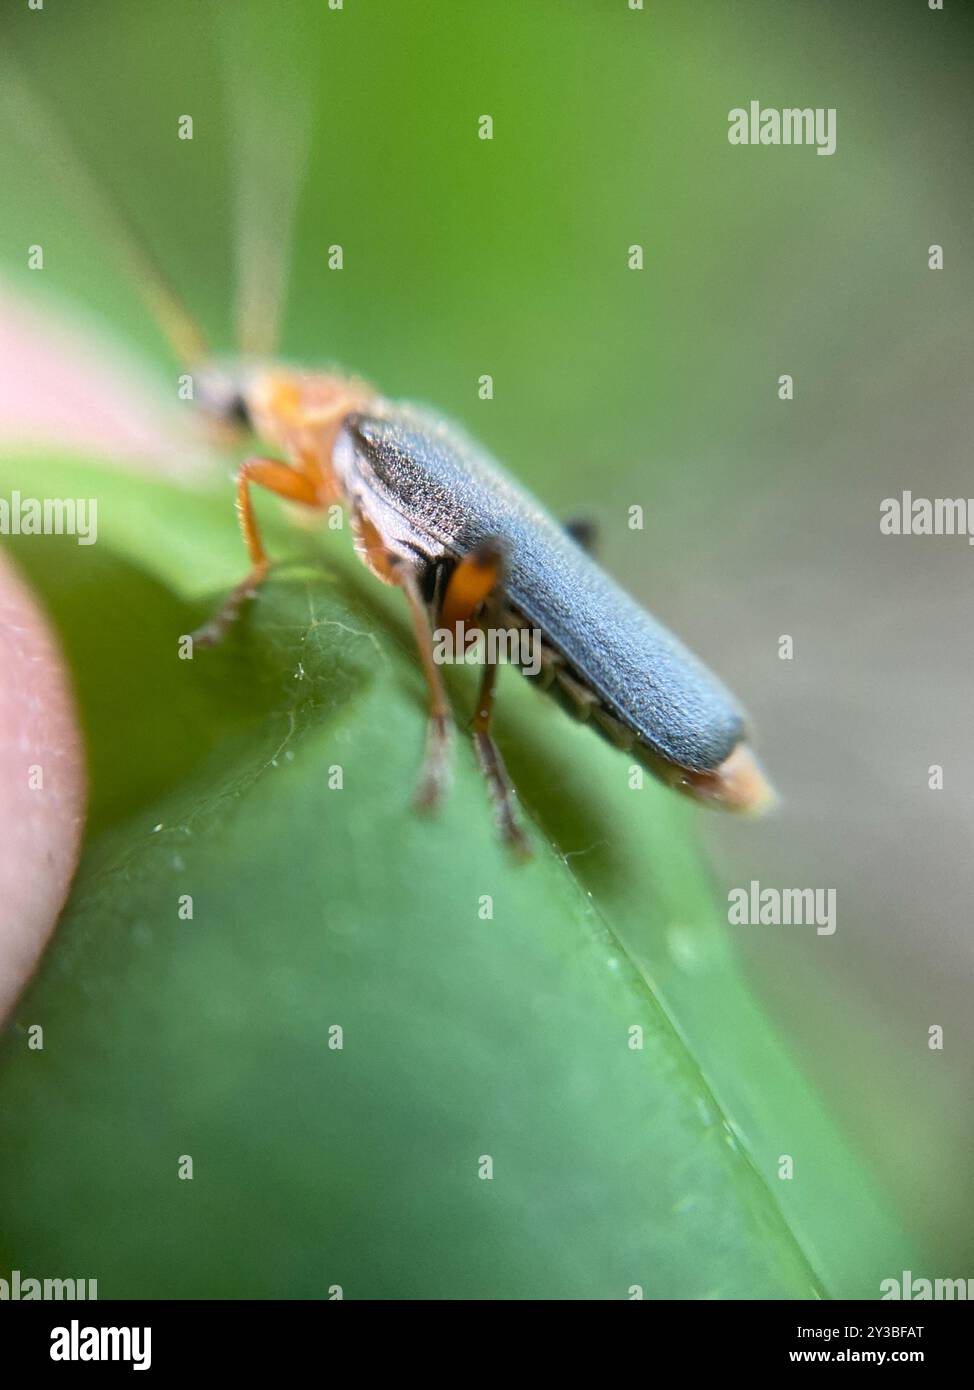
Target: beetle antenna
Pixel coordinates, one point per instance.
(268, 97)
(40, 129)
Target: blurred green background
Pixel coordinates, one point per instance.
(611, 387)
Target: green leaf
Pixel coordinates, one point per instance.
(464, 1035)
(315, 907)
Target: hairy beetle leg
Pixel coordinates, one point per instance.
(472, 582)
(278, 478)
(226, 615)
(470, 587)
(435, 776)
(584, 532)
(492, 765)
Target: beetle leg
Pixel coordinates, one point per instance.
(473, 580)
(492, 765)
(471, 585)
(283, 480)
(436, 767)
(584, 532)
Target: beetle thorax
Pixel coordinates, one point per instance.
(300, 413)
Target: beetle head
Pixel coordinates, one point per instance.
(222, 390)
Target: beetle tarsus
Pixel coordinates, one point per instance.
(229, 611)
(499, 784)
(502, 794)
(436, 768)
(435, 779)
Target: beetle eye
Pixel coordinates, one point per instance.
(237, 412)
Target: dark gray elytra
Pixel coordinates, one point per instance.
(432, 493)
